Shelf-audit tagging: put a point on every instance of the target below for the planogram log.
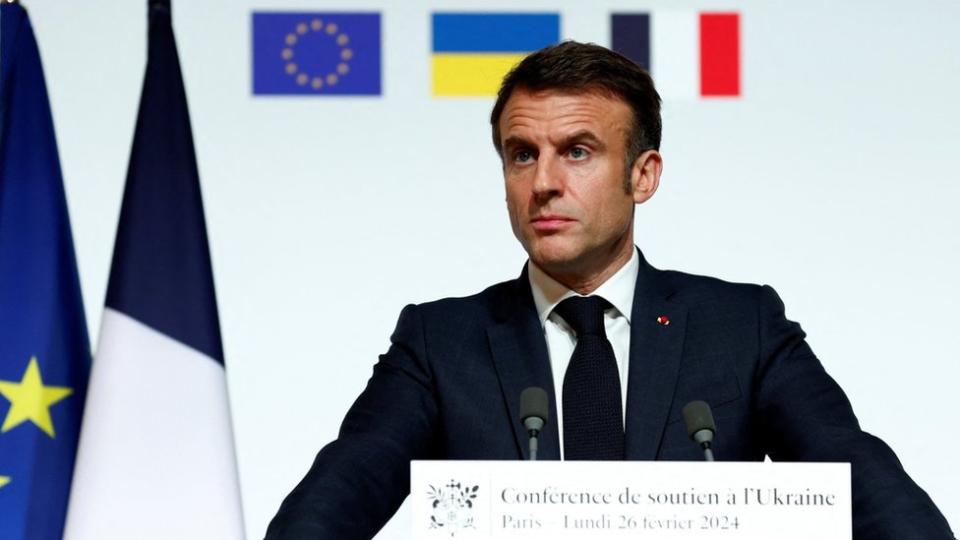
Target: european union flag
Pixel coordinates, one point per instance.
(316, 53)
(44, 352)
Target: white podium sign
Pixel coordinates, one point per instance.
(655, 500)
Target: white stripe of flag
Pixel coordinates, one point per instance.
(675, 53)
(156, 455)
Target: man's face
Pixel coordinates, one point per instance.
(564, 168)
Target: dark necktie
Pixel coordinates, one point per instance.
(592, 414)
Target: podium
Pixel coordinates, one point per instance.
(652, 500)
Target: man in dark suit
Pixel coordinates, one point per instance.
(578, 130)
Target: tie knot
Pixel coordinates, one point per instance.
(584, 314)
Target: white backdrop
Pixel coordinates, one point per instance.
(833, 178)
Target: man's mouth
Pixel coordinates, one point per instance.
(550, 222)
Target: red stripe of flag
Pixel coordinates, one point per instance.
(719, 54)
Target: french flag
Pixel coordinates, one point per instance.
(689, 54)
(156, 456)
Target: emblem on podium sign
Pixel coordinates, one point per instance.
(452, 507)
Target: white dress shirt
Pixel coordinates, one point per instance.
(561, 340)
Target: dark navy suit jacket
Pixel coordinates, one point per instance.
(449, 388)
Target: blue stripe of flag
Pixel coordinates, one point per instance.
(630, 36)
(494, 32)
(161, 273)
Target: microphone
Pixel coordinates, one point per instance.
(534, 411)
(700, 425)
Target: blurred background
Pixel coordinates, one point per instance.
(831, 174)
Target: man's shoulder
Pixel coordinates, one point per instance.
(696, 289)
(476, 306)
(491, 295)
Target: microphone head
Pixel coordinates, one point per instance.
(698, 417)
(534, 404)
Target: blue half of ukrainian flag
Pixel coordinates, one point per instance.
(473, 51)
(316, 53)
(44, 352)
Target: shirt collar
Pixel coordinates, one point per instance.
(618, 290)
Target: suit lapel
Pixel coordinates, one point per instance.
(656, 348)
(520, 357)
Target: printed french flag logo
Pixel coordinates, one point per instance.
(690, 54)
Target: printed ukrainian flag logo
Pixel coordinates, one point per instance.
(473, 51)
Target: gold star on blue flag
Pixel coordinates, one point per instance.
(44, 352)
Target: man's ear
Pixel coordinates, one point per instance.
(645, 175)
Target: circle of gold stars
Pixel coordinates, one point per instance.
(317, 81)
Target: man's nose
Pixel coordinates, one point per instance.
(547, 182)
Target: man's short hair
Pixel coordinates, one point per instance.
(585, 67)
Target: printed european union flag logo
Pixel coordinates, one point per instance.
(316, 53)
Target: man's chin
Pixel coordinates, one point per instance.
(569, 264)
(554, 262)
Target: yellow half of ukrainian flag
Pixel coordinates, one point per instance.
(473, 51)
(471, 74)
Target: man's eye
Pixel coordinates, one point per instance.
(522, 156)
(578, 153)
